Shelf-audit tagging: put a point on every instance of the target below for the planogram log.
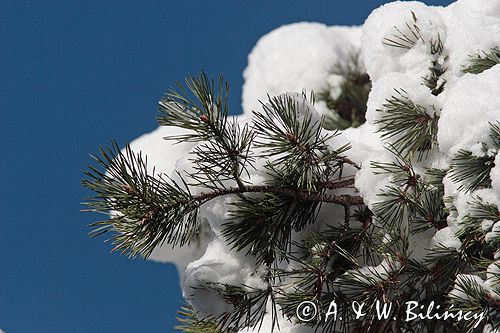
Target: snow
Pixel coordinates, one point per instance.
(458, 292)
(486, 225)
(295, 57)
(446, 238)
(397, 85)
(299, 57)
(466, 106)
(363, 139)
(383, 25)
(494, 234)
(489, 286)
(459, 127)
(493, 279)
(368, 183)
(489, 329)
(473, 26)
(163, 156)
(221, 265)
(374, 274)
(216, 212)
(284, 325)
(495, 176)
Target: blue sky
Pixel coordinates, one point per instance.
(73, 75)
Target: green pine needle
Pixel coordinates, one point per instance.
(147, 210)
(480, 62)
(471, 171)
(411, 128)
(348, 109)
(189, 322)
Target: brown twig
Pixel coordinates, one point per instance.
(331, 185)
(344, 200)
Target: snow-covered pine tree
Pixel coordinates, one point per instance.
(301, 200)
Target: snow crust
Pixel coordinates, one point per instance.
(299, 56)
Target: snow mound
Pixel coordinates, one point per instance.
(459, 126)
(294, 58)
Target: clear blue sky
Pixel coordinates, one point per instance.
(73, 75)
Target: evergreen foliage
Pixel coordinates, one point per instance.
(147, 210)
(472, 171)
(482, 61)
(411, 127)
(349, 105)
(366, 256)
(189, 322)
(407, 37)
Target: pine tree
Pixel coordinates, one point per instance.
(367, 256)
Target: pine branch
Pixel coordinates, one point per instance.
(304, 172)
(411, 127)
(291, 192)
(349, 105)
(480, 62)
(407, 37)
(331, 185)
(146, 211)
(434, 177)
(401, 171)
(189, 322)
(394, 207)
(249, 306)
(216, 161)
(472, 171)
(150, 211)
(429, 212)
(263, 226)
(475, 298)
(419, 198)
(202, 108)
(446, 262)
(317, 263)
(495, 134)
(471, 232)
(301, 171)
(434, 80)
(287, 132)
